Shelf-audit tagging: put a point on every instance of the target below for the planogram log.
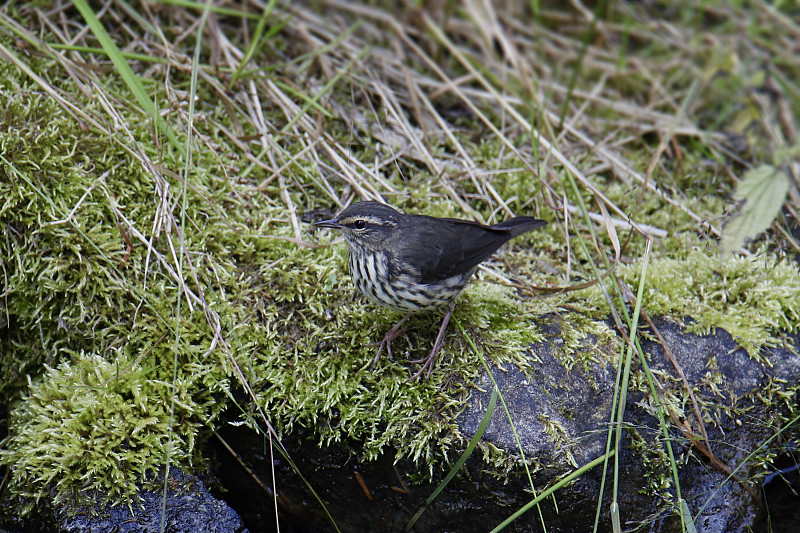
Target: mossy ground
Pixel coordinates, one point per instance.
(122, 324)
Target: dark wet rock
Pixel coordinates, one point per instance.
(561, 418)
(558, 414)
(189, 508)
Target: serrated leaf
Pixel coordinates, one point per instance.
(764, 190)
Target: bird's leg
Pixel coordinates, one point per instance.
(391, 335)
(427, 363)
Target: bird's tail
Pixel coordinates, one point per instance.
(519, 225)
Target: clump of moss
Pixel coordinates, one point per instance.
(95, 426)
(755, 299)
(77, 281)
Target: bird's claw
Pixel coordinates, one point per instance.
(391, 335)
(387, 344)
(427, 364)
(429, 361)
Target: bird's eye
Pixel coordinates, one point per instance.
(359, 224)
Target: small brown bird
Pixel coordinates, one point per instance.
(411, 263)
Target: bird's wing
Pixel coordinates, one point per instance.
(448, 247)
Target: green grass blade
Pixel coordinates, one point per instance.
(125, 71)
(461, 460)
(686, 517)
(257, 35)
(551, 490)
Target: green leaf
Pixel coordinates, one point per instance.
(764, 190)
(686, 517)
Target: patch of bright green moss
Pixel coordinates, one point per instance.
(755, 299)
(75, 283)
(93, 425)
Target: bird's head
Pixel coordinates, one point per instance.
(365, 224)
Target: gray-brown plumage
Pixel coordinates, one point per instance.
(411, 263)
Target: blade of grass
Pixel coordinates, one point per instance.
(614, 512)
(461, 460)
(187, 170)
(145, 58)
(615, 403)
(219, 10)
(505, 408)
(257, 35)
(623, 370)
(126, 73)
(623, 397)
(551, 490)
(686, 517)
(576, 70)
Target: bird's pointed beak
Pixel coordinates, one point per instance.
(332, 223)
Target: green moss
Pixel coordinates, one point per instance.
(755, 299)
(77, 283)
(96, 425)
(655, 465)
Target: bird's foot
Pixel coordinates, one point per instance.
(428, 362)
(427, 366)
(386, 343)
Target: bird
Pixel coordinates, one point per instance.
(411, 263)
